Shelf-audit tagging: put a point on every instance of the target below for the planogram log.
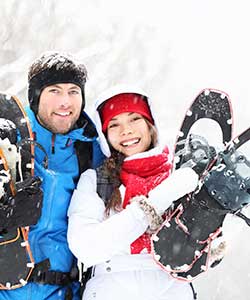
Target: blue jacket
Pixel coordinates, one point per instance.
(48, 238)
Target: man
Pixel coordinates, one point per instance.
(68, 146)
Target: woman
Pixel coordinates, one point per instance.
(116, 208)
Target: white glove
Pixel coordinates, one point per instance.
(177, 185)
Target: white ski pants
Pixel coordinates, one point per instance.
(134, 277)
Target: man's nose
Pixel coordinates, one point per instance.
(65, 100)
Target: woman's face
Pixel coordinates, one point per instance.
(129, 133)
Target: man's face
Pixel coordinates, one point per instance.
(60, 107)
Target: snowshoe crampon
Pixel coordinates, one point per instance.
(18, 187)
(182, 245)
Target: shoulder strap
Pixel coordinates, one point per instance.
(105, 186)
(84, 151)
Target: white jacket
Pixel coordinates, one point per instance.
(94, 239)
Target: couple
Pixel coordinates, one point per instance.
(117, 202)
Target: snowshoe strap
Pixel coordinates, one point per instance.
(245, 218)
(193, 290)
(228, 182)
(197, 153)
(28, 141)
(85, 276)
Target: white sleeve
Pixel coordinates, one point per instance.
(92, 239)
(177, 185)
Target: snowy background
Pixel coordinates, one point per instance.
(172, 49)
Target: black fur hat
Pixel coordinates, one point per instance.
(51, 68)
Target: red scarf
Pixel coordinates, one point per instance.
(140, 176)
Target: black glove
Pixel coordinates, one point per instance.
(24, 209)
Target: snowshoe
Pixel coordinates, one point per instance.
(182, 243)
(20, 193)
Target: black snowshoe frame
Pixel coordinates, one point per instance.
(182, 245)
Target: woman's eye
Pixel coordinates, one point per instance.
(136, 118)
(113, 125)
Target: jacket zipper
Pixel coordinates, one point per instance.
(53, 143)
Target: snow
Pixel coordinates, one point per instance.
(6, 125)
(172, 49)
